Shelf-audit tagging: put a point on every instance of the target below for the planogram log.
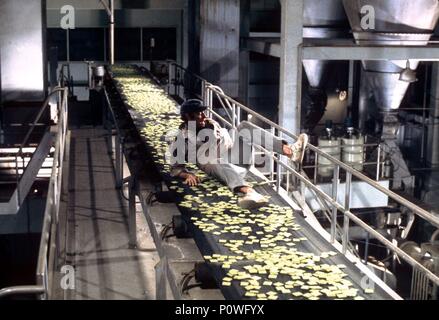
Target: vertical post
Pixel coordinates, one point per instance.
(433, 129)
(244, 55)
(316, 167)
(210, 95)
(347, 208)
(233, 115)
(272, 162)
(351, 83)
(291, 65)
(335, 180)
(132, 212)
(203, 92)
(118, 162)
(278, 177)
(160, 279)
(111, 32)
(141, 45)
(378, 163)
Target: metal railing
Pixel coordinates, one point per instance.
(213, 96)
(57, 90)
(115, 141)
(47, 256)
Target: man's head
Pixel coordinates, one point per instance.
(193, 110)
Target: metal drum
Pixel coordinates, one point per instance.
(331, 146)
(353, 152)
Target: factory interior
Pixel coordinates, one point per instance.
(91, 93)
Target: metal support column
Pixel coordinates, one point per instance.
(119, 161)
(290, 65)
(132, 212)
(161, 270)
(244, 55)
(347, 207)
(433, 128)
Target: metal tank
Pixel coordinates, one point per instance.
(399, 23)
(353, 153)
(332, 146)
(328, 142)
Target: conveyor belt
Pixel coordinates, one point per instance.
(270, 253)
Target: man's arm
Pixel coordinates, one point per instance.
(178, 152)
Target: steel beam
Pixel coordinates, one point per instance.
(290, 65)
(346, 50)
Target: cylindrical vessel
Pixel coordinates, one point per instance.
(353, 151)
(332, 146)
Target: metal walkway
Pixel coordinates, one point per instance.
(98, 238)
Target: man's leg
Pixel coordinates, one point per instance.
(250, 134)
(230, 174)
(233, 176)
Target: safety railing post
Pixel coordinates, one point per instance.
(316, 167)
(118, 155)
(169, 76)
(335, 182)
(203, 92)
(278, 177)
(234, 116)
(345, 239)
(132, 212)
(273, 132)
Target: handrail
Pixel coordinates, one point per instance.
(50, 220)
(418, 210)
(37, 118)
(332, 200)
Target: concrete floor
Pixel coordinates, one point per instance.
(106, 268)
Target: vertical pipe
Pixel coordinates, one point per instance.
(141, 48)
(347, 208)
(334, 197)
(424, 108)
(378, 163)
(316, 167)
(111, 32)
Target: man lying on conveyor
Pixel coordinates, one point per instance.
(203, 141)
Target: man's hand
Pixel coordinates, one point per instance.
(190, 179)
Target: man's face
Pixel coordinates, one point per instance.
(198, 117)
